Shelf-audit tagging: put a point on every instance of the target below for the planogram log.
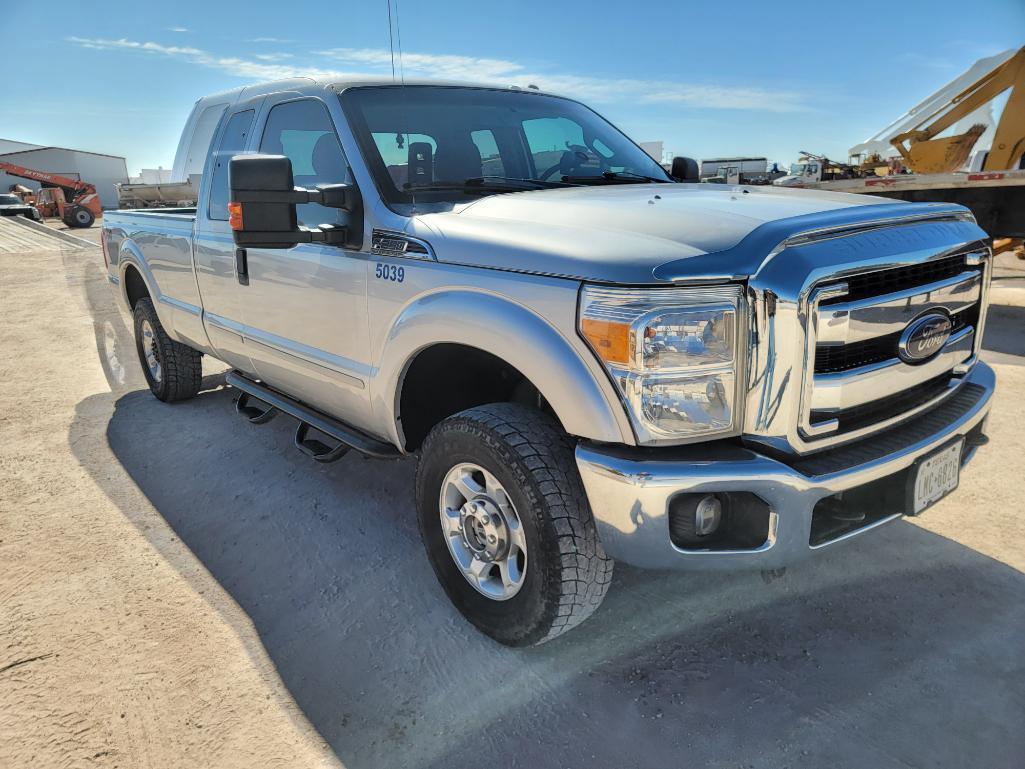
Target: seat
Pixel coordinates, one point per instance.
(328, 163)
(329, 167)
(456, 160)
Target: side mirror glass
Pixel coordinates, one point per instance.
(263, 199)
(685, 170)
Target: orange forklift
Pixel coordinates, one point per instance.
(74, 201)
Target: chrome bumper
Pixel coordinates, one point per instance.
(629, 489)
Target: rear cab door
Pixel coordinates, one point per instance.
(215, 253)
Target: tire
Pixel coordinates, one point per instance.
(565, 572)
(175, 370)
(79, 217)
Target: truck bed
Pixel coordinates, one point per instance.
(158, 241)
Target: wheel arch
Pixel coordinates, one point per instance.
(134, 276)
(507, 333)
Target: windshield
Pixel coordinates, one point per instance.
(429, 140)
(9, 200)
(800, 169)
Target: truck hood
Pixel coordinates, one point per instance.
(624, 233)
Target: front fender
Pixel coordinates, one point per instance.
(582, 401)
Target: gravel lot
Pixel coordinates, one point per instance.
(181, 588)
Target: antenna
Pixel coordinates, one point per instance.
(391, 40)
(398, 36)
(395, 37)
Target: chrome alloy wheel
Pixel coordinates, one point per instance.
(483, 531)
(149, 351)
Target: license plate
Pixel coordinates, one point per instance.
(936, 476)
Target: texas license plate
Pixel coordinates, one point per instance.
(936, 476)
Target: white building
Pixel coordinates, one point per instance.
(102, 170)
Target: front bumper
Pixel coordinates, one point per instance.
(630, 489)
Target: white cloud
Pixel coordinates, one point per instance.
(177, 29)
(361, 62)
(445, 67)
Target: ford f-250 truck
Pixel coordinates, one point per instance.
(593, 360)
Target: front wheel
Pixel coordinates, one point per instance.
(506, 524)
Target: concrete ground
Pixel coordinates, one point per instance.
(181, 588)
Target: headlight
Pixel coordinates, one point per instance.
(674, 354)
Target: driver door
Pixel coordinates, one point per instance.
(305, 308)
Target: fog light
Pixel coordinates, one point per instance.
(707, 515)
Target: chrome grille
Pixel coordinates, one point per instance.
(879, 282)
(858, 384)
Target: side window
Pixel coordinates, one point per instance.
(491, 159)
(303, 131)
(233, 140)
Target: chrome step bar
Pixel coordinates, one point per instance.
(347, 437)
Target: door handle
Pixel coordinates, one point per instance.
(242, 266)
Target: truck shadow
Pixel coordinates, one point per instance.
(845, 661)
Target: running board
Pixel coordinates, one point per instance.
(255, 415)
(348, 437)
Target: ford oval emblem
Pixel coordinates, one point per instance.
(924, 337)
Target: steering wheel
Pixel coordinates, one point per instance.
(575, 156)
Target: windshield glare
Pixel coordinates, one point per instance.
(418, 137)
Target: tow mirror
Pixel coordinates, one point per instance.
(263, 200)
(685, 169)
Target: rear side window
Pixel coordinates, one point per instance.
(303, 131)
(233, 140)
(490, 157)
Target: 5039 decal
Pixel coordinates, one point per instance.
(389, 272)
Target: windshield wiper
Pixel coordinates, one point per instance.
(535, 183)
(488, 184)
(615, 177)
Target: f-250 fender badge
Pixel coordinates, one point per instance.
(924, 337)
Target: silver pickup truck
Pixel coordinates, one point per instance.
(593, 359)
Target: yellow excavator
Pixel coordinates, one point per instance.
(925, 153)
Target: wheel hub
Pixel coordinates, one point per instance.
(484, 529)
(149, 350)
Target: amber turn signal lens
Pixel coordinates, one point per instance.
(235, 216)
(610, 340)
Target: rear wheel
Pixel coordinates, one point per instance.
(506, 524)
(173, 370)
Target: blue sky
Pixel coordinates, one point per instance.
(762, 78)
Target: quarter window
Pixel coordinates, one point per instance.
(233, 141)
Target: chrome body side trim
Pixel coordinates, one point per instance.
(629, 492)
(397, 244)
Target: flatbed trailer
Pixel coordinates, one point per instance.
(997, 198)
